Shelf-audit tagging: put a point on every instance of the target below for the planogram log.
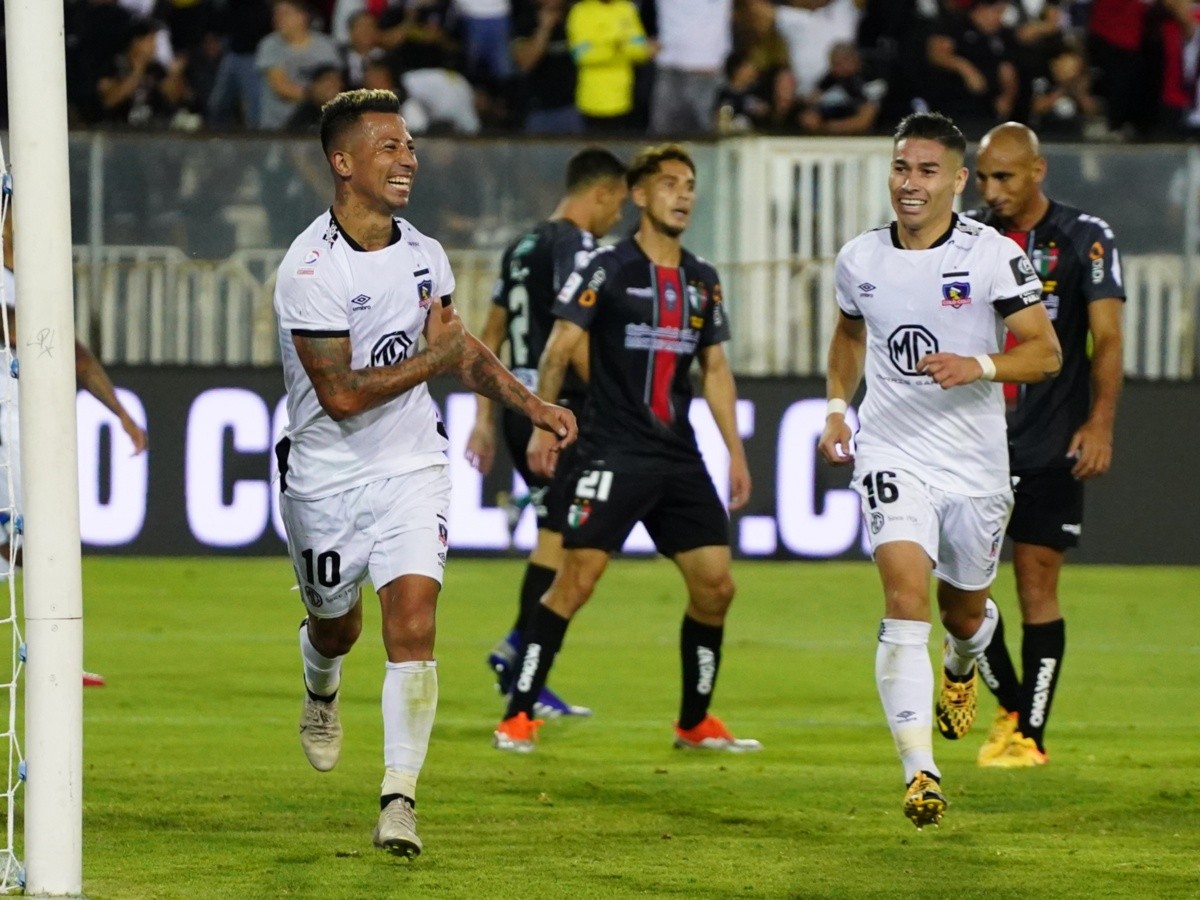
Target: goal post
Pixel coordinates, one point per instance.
(46, 352)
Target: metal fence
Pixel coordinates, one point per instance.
(178, 238)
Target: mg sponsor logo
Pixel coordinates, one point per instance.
(908, 344)
(391, 348)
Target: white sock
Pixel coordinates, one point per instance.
(960, 655)
(904, 677)
(322, 675)
(410, 695)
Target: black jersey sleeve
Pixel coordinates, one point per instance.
(571, 251)
(708, 296)
(1015, 284)
(499, 286)
(1096, 246)
(577, 301)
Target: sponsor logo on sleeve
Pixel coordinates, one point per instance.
(361, 303)
(570, 286)
(425, 293)
(1022, 269)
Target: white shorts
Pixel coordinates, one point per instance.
(961, 534)
(386, 529)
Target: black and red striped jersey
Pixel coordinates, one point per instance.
(646, 324)
(1077, 260)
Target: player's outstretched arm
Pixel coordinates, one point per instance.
(481, 445)
(480, 370)
(561, 348)
(92, 377)
(344, 391)
(717, 384)
(844, 371)
(1036, 357)
(1092, 444)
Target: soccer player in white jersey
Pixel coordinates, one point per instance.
(363, 465)
(923, 305)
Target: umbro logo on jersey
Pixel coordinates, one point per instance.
(360, 303)
(866, 287)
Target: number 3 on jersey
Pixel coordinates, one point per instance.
(594, 484)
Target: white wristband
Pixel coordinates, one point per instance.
(835, 405)
(988, 365)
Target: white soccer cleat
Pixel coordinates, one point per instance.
(396, 831)
(321, 732)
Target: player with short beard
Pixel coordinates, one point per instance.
(923, 303)
(362, 464)
(649, 308)
(1060, 433)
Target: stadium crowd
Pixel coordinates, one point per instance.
(1095, 69)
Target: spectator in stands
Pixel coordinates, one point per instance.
(974, 75)
(607, 41)
(416, 32)
(811, 28)
(96, 31)
(695, 40)
(1117, 33)
(287, 58)
(327, 82)
(840, 104)
(761, 90)
(541, 52)
(135, 89)
(486, 28)
(1063, 105)
(364, 45)
(237, 93)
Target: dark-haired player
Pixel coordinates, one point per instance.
(362, 464)
(923, 304)
(648, 308)
(1060, 432)
(532, 272)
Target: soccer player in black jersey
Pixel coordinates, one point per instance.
(532, 272)
(649, 308)
(1060, 432)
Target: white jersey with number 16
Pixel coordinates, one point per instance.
(952, 297)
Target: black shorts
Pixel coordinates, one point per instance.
(680, 509)
(550, 499)
(1047, 508)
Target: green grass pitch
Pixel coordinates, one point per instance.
(195, 786)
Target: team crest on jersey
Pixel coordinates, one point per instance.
(578, 514)
(1045, 260)
(670, 296)
(425, 293)
(876, 522)
(697, 295)
(956, 294)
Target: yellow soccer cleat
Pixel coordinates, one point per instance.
(1020, 753)
(955, 707)
(998, 737)
(924, 801)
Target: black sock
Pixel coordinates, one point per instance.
(536, 582)
(700, 650)
(543, 639)
(1041, 658)
(996, 670)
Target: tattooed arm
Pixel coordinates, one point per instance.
(345, 392)
(480, 371)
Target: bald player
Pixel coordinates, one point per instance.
(1060, 432)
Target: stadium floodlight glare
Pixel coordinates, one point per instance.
(53, 593)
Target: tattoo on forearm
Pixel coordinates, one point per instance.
(484, 374)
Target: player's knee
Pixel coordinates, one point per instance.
(336, 637)
(714, 594)
(410, 627)
(962, 623)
